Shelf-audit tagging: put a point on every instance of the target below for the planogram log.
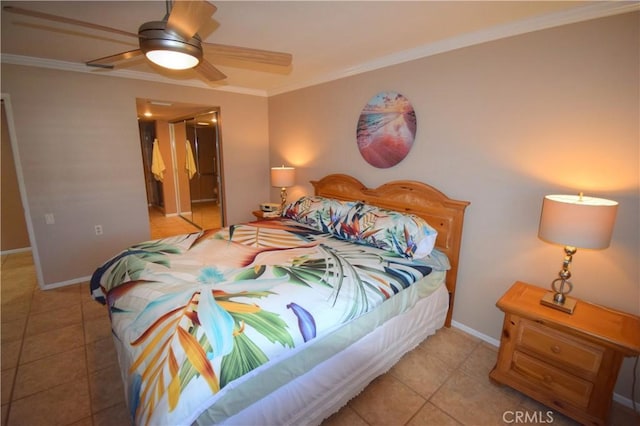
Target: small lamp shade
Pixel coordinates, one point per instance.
(283, 177)
(577, 221)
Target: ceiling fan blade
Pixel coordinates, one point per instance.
(210, 72)
(107, 61)
(187, 17)
(62, 19)
(246, 54)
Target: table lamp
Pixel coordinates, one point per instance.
(283, 177)
(574, 221)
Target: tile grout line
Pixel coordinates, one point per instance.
(24, 335)
(426, 401)
(452, 374)
(86, 358)
(97, 370)
(356, 411)
(30, 312)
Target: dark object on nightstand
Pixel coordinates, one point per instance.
(567, 362)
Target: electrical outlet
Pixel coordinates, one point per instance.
(49, 219)
(98, 229)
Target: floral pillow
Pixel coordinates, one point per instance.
(406, 234)
(323, 214)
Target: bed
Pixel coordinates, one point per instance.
(282, 321)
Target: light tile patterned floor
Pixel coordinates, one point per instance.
(162, 226)
(59, 367)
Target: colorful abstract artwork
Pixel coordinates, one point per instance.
(386, 129)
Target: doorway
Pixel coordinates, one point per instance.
(189, 191)
(14, 236)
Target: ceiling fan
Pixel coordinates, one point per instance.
(173, 42)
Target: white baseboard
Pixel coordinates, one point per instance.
(13, 251)
(66, 283)
(622, 400)
(476, 333)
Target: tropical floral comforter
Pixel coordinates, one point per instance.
(193, 313)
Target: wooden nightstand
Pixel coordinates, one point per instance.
(567, 362)
(259, 214)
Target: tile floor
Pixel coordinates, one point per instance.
(59, 367)
(162, 226)
(206, 215)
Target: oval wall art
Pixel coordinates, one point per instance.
(386, 129)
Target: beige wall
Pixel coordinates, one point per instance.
(13, 230)
(501, 125)
(78, 140)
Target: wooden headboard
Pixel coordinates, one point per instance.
(441, 212)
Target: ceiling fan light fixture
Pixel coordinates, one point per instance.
(168, 49)
(172, 59)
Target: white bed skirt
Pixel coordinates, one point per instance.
(322, 391)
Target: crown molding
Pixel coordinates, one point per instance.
(591, 11)
(30, 61)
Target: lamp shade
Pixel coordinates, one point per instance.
(577, 221)
(283, 177)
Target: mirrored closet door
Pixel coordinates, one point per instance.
(201, 184)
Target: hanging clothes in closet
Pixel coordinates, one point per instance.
(190, 165)
(157, 164)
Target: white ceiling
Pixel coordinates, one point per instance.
(328, 39)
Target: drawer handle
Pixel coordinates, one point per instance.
(556, 349)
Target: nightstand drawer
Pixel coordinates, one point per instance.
(556, 346)
(562, 385)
